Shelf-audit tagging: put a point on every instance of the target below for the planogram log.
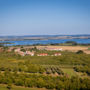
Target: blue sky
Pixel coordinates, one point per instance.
(42, 17)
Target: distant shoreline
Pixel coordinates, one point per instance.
(43, 37)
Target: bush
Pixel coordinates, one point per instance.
(9, 86)
(79, 52)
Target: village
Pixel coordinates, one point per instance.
(33, 51)
(44, 50)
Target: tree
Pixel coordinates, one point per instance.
(40, 83)
(60, 86)
(50, 85)
(9, 86)
(79, 52)
(23, 50)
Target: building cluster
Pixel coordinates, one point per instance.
(46, 54)
(42, 54)
(24, 53)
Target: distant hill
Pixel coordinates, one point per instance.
(44, 37)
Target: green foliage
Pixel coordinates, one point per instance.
(9, 86)
(34, 49)
(23, 50)
(53, 69)
(60, 85)
(79, 52)
(83, 69)
(29, 71)
(49, 82)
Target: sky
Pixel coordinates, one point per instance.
(44, 17)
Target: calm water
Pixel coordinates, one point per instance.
(31, 42)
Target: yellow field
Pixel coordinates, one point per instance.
(70, 48)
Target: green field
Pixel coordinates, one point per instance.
(69, 71)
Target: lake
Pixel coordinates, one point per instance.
(32, 42)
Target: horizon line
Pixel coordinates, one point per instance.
(44, 34)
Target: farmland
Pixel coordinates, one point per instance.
(50, 72)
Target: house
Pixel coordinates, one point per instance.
(57, 54)
(21, 53)
(42, 54)
(29, 53)
(17, 50)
